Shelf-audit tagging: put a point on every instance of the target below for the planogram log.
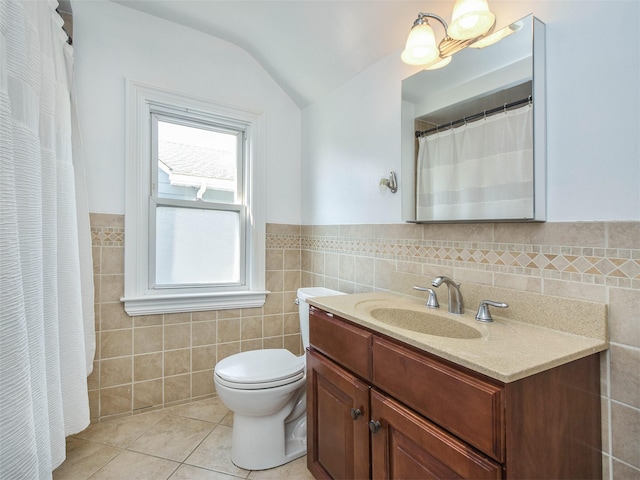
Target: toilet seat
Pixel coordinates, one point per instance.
(258, 369)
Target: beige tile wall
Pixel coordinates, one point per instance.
(148, 362)
(596, 261)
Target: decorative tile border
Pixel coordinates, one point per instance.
(107, 236)
(286, 241)
(602, 266)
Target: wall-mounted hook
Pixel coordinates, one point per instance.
(391, 182)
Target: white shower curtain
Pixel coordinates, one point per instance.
(480, 170)
(43, 357)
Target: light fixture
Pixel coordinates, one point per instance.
(495, 37)
(442, 62)
(471, 20)
(421, 48)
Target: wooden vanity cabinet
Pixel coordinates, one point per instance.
(378, 408)
(337, 400)
(338, 434)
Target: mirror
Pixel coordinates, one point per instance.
(498, 90)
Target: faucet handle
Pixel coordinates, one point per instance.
(432, 300)
(484, 315)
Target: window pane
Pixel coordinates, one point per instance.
(196, 163)
(197, 246)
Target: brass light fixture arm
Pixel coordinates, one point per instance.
(447, 46)
(422, 19)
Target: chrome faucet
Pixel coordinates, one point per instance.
(484, 315)
(432, 299)
(455, 296)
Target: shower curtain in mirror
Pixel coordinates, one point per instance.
(480, 170)
(43, 357)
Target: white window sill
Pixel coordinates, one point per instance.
(196, 302)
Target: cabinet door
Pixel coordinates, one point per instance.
(405, 445)
(465, 405)
(337, 416)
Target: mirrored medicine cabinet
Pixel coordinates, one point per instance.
(474, 133)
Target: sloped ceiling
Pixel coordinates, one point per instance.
(310, 47)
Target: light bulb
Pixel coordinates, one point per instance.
(421, 46)
(470, 19)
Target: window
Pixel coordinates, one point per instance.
(194, 232)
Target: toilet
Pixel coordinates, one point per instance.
(266, 391)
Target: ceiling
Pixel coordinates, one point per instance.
(310, 47)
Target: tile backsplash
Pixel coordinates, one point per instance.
(153, 361)
(594, 261)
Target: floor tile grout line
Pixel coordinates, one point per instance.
(215, 425)
(149, 427)
(211, 469)
(123, 419)
(179, 463)
(163, 414)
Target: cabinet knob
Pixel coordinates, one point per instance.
(355, 413)
(374, 426)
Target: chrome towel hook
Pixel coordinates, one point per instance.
(391, 182)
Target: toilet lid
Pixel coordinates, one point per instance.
(260, 366)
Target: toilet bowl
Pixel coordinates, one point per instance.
(266, 391)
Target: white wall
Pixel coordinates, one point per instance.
(113, 43)
(351, 138)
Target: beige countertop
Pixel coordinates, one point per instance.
(506, 349)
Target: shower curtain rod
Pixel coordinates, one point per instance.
(475, 116)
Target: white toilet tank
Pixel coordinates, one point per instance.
(303, 307)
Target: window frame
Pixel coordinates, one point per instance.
(140, 298)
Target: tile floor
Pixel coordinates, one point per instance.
(191, 441)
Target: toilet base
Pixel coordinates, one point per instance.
(262, 443)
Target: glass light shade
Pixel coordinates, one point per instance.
(421, 47)
(470, 19)
(442, 62)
